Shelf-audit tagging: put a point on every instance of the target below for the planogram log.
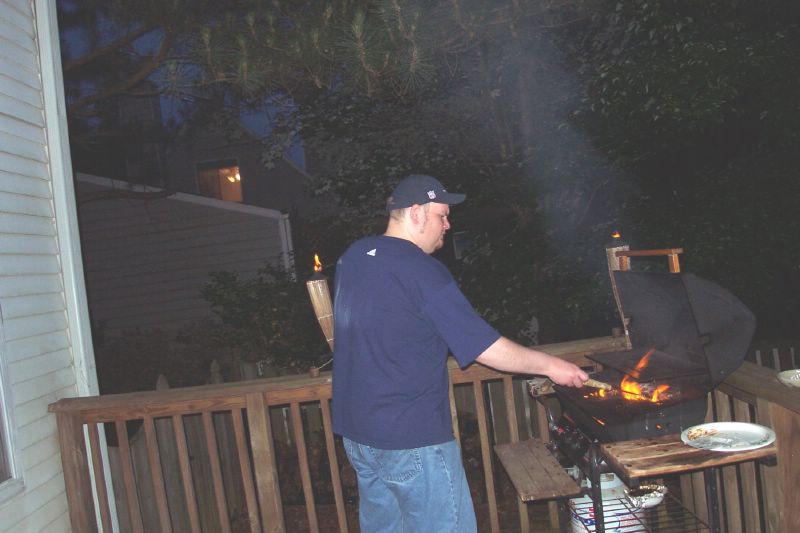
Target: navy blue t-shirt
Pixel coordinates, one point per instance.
(397, 311)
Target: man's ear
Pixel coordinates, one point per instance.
(415, 214)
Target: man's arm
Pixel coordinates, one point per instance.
(508, 356)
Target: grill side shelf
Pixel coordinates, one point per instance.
(667, 454)
(535, 472)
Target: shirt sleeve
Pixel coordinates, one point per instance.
(465, 332)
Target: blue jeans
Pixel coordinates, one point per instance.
(412, 491)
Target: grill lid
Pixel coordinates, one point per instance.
(694, 327)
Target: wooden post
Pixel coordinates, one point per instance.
(674, 264)
(786, 424)
(333, 461)
(543, 426)
(269, 491)
(513, 434)
(747, 475)
(486, 454)
(305, 471)
(769, 475)
(76, 472)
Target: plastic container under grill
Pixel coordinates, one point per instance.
(619, 515)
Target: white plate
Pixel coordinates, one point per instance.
(790, 378)
(728, 436)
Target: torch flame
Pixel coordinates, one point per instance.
(616, 235)
(317, 264)
(632, 389)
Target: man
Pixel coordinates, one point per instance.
(397, 312)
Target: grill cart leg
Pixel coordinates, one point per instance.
(595, 460)
(710, 478)
(564, 516)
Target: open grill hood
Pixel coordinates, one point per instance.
(698, 330)
(695, 334)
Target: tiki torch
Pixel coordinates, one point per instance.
(320, 295)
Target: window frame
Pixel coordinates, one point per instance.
(14, 484)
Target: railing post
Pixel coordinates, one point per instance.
(269, 491)
(75, 463)
(769, 474)
(786, 424)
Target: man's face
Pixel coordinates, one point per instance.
(434, 224)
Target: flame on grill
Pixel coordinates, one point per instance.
(317, 264)
(633, 390)
(600, 393)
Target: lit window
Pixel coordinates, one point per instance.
(220, 179)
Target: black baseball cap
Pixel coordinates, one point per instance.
(421, 189)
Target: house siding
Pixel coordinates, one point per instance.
(37, 360)
(147, 260)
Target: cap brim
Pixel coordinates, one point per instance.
(451, 198)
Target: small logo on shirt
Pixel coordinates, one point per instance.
(372, 252)
(431, 194)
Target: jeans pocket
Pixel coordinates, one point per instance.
(397, 466)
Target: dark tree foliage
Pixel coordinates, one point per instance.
(267, 318)
(671, 120)
(698, 101)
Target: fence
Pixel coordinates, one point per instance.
(229, 472)
(777, 355)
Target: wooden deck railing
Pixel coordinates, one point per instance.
(244, 480)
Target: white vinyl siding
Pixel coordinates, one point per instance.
(36, 353)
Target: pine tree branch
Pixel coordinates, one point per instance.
(147, 68)
(71, 66)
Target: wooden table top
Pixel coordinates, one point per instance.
(667, 454)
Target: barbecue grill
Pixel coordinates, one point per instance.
(685, 336)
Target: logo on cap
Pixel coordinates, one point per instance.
(431, 194)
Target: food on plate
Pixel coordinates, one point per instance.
(700, 432)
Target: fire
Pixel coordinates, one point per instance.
(599, 393)
(317, 264)
(632, 389)
(616, 235)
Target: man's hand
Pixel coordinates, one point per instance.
(565, 373)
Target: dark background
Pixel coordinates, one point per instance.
(673, 122)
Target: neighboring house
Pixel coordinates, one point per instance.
(213, 166)
(148, 253)
(45, 343)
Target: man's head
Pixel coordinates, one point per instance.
(418, 211)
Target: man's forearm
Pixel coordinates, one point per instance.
(508, 356)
